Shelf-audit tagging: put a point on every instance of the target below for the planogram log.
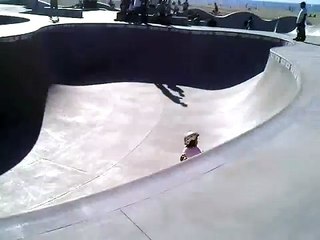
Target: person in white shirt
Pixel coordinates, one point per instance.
(136, 4)
(301, 23)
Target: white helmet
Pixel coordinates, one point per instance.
(189, 136)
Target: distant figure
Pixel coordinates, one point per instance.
(144, 11)
(54, 11)
(216, 9)
(124, 6)
(175, 8)
(301, 23)
(112, 4)
(179, 2)
(195, 19)
(161, 11)
(191, 146)
(168, 7)
(185, 6)
(133, 11)
(249, 23)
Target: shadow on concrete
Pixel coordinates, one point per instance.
(177, 89)
(311, 43)
(168, 94)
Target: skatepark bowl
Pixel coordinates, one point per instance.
(93, 117)
(11, 20)
(82, 63)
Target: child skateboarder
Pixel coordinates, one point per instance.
(191, 146)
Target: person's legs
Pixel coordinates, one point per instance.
(298, 33)
(137, 12)
(161, 18)
(303, 33)
(144, 14)
(51, 9)
(129, 16)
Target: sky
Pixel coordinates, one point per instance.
(292, 1)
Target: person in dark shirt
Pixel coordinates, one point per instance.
(185, 6)
(249, 23)
(144, 11)
(216, 9)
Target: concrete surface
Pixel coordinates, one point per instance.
(60, 12)
(265, 179)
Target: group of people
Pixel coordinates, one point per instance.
(162, 9)
(171, 7)
(135, 7)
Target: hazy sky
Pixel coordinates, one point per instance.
(293, 1)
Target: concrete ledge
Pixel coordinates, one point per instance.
(107, 6)
(61, 12)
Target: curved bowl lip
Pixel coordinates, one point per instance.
(242, 12)
(15, 18)
(28, 31)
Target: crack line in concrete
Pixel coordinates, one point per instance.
(135, 224)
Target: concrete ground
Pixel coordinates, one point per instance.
(261, 185)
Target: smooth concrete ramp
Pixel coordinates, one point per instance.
(97, 134)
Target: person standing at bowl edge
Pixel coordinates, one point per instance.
(301, 23)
